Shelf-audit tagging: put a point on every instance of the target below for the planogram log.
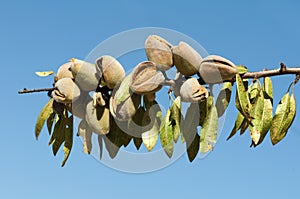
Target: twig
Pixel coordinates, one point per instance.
(25, 90)
(283, 70)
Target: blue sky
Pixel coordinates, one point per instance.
(37, 35)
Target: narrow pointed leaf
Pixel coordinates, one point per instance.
(175, 118)
(44, 73)
(237, 126)
(43, 116)
(58, 136)
(242, 98)
(242, 69)
(224, 98)
(193, 148)
(268, 88)
(123, 91)
(166, 134)
(68, 142)
(50, 122)
(152, 120)
(257, 115)
(278, 122)
(202, 111)
(289, 119)
(267, 117)
(100, 143)
(244, 126)
(208, 134)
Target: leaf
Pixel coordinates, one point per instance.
(86, 133)
(100, 143)
(257, 115)
(58, 136)
(137, 142)
(44, 73)
(123, 91)
(244, 126)
(268, 88)
(152, 120)
(267, 117)
(50, 122)
(193, 148)
(114, 139)
(242, 98)
(208, 133)
(278, 123)
(202, 111)
(68, 142)
(43, 116)
(291, 113)
(190, 123)
(242, 69)
(223, 98)
(237, 126)
(175, 118)
(166, 134)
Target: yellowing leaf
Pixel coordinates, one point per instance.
(242, 98)
(43, 116)
(237, 126)
(278, 122)
(175, 118)
(257, 115)
(123, 91)
(242, 69)
(208, 133)
(224, 98)
(151, 121)
(44, 73)
(268, 88)
(166, 134)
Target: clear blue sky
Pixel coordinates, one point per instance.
(39, 35)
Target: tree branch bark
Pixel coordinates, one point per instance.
(25, 90)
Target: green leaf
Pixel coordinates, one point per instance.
(50, 122)
(43, 116)
(190, 123)
(175, 118)
(193, 148)
(237, 126)
(257, 115)
(208, 133)
(100, 143)
(224, 98)
(123, 92)
(244, 126)
(68, 142)
(86, 133)
(268, 88)
(278, 123)
(166, 134)
(137, 142)
(267, 117)
(44, 73)
(58, 136)
(242, 69)
(242, 98)
(202, 111)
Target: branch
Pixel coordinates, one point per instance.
(25, 90)
(283, 70)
